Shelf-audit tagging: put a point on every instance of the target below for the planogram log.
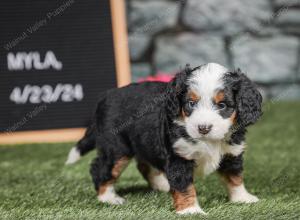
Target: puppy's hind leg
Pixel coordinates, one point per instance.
(105, 171)
(156, 179)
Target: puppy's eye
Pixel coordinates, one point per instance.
(192, 103)
(222, 105)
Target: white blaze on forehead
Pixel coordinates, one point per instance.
(205, 82)
(207, 79)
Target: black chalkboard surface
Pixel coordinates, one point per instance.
(56, 57)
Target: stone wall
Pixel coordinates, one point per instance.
(262, 37)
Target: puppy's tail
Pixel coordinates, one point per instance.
(84, 145)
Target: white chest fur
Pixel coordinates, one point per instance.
(206, 154)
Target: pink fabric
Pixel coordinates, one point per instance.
(160, 77)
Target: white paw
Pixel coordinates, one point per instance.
(159, 182)
(240, 194)
(73, 157)
(114, 200)
(110, 196)
(191, 210)
(244, 198)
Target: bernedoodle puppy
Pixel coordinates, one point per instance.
(193, 125)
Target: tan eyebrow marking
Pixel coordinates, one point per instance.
(193, 96)
(219, 97)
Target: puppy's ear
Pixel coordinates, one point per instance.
(176, 89)
(248, 99)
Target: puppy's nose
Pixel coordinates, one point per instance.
(204, 129)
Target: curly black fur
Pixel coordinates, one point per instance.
(176, 90)
(248, 99)
(248, 102)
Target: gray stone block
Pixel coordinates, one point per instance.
(280, 3)
(267, 59)
(289, 17)
(295, 30)
(173, 52)
(138, 44)
(285, 92)
(230, 17)
(150, 17)
(298, 70)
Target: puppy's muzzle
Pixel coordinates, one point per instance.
(204, 129)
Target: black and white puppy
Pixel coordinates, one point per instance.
(193, 125)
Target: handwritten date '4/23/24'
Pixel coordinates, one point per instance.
(47, 94)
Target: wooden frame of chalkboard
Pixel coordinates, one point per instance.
(122, 66)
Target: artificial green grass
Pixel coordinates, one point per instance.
(35, 183)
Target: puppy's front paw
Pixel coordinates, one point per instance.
(239, 194)
(244, 198)
(191, 210)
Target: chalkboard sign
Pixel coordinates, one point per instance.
(55, 60)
